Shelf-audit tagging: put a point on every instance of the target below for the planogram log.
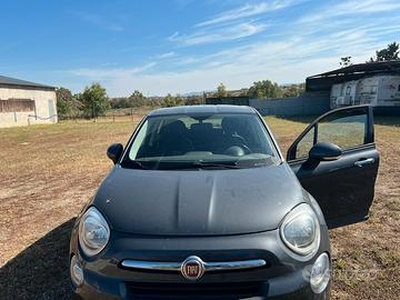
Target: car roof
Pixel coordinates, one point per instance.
(202, 109)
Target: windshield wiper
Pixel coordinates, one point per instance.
(137, 164)
(185, 165)
(210, 164)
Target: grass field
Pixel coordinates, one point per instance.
(48, 172)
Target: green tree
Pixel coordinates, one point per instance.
(221, 91)
(137, 99)
(179, 100)
(293, 90)
(95, 101)
(193, 100)
(345, 61)
(391, 52)
(121, 102)
(170, 101)
(67, 105)
(265, 89)
(155, 101)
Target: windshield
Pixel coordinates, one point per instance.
(201, 141)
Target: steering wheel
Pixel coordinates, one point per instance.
(238, 150)
(239, 139)
(246, 148)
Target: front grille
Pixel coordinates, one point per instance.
(182, 290)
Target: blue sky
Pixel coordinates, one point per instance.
(181, 46)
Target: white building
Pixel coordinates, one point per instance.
(378, 90)
(373, 83)
(24, 103)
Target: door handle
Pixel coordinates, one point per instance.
(364, 162)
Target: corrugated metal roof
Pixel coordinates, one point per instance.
(18, 82)
(324, 81)
(366, 68)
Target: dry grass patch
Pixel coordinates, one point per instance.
(47, 173)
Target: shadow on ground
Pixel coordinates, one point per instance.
(387, 120)
(41, 270)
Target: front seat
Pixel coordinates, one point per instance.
(173, 139)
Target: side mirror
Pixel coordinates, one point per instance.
(114, 152)
(325, 151)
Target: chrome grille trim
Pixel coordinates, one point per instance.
(151, 265)
(234, 265)
(208, 266)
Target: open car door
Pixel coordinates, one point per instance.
(336, 161)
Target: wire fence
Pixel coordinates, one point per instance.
(53, 118)
(115, 115)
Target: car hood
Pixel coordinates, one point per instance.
(198, 202)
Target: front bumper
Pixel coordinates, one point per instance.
(283, 277)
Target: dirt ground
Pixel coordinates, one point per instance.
(48, 172)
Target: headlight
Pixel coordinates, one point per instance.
(300, 230)
(76, 271)
(320, 274)
(94, 232)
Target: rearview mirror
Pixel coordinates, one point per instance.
(114, 152)
(325, 151)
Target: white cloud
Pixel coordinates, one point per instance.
(352, 8)
(245, 11)
(228, 33)
(287, 60)
(106, 73)
(237, 68)
(231, 25)
(166, 55)
(367, 6)
(209, 77)
(296, 51)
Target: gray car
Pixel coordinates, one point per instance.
(202, 204)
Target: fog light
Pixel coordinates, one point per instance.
(76, 271)
(320, 274)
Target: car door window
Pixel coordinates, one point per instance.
(343, 130)
(305, 144)
(346, 129)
